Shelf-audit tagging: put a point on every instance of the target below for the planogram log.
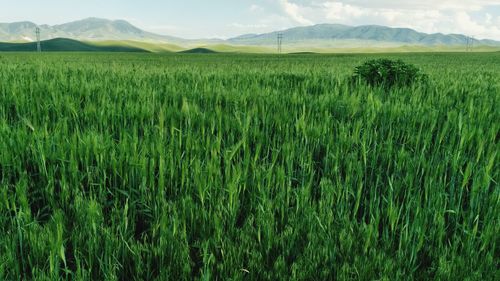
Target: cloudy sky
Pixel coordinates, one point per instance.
(226, 18)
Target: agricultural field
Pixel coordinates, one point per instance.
(247, 167)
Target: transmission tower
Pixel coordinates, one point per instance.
(469, 42)
(38, 45)
(280, 43)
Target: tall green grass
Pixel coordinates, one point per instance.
(247, 167)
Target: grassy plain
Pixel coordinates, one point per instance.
(326, 47)
(247, 167)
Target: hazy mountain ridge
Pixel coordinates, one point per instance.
(321, 35)
(87, 29)
(374, 33)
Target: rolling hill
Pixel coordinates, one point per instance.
(67, 45)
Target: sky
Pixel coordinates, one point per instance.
(228, 18)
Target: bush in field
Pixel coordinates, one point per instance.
(388, 73)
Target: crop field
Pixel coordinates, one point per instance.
(247, 167)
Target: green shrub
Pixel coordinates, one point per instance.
(388, 73)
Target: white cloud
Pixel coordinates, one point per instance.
(464, 22)
(341, 11)
(255, 8)
(248, 26)
(294, 11)
(456, 5)
(489, 18)
(431, 16)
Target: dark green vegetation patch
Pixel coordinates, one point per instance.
(199, 51)
(64, 45)
(246, 167)
(388, 73)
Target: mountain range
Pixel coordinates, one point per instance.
(374, 33)
(91, 29)
(321, 35)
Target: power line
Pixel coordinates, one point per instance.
(38, 44)
(469, 43)
(280, 43)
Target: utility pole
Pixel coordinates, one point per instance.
(38, 44)
(469, 41)
(280, 43)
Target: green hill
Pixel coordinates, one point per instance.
(69, 45)
(199, 51)
(153, 47)
(66, 45)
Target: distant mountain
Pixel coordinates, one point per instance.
(317, 36)
(91, 29)
(322, 33)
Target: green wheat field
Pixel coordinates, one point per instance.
(247, 167)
